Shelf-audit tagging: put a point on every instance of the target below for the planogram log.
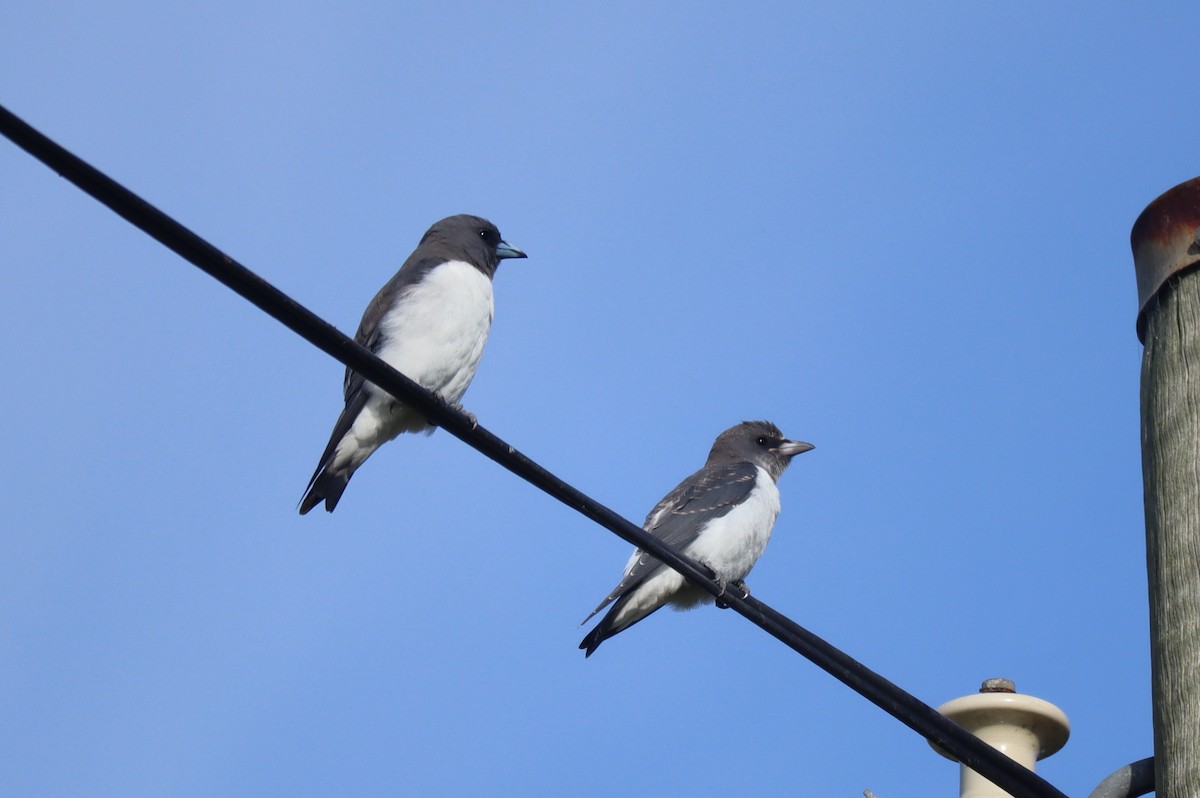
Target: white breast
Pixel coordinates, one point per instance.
(731, 545)
(436, 333)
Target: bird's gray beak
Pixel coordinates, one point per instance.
(793, 448)
(509, 251)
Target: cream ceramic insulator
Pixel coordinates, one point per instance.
(1023, 727)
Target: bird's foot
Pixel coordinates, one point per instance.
(458, 406)
(737, 584)
(724, 584)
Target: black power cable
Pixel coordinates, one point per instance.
(1006, 773)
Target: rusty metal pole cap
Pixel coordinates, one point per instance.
(1165, 241)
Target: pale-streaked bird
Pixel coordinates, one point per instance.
(721, 517)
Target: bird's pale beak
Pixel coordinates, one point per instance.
(793, 448)
(509, 251)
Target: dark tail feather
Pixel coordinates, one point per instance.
(593, 640)
(326, 486)
(602, 630)
(607, 628)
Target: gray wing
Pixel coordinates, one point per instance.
(678, 519)
(369, 334)
(325, 484)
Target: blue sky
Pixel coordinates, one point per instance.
(899, 233)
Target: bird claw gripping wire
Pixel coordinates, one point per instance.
(737, 583)
(724, 583)
(458, 406)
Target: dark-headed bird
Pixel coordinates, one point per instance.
(430, 323)
(721, 517)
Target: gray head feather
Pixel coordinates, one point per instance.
(469, 238)
(758, 442)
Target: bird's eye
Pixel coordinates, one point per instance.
(761, 441)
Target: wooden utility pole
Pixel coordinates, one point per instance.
(1166, 250)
